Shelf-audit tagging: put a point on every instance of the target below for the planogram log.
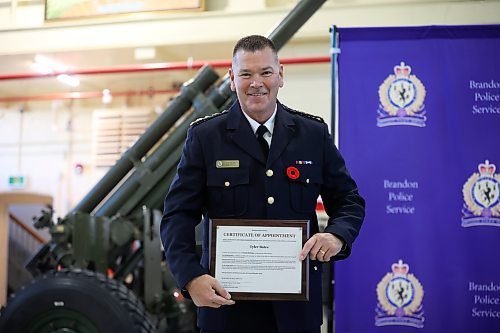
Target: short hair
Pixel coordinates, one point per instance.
(255, 43)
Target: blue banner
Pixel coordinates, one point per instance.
(419, 127)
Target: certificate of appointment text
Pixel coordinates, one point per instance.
(259, 259)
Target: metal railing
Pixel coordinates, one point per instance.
(24, 242)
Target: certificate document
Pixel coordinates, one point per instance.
(259, 259)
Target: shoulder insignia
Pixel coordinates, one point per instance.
(303, 114)
(204, 119)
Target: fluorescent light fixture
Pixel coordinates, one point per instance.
(54, 65)
(45, 65)
(41, 68)
(69, 80)
(144, 53)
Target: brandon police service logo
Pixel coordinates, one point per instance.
(481, 197)
(400, 297)
(402, 97)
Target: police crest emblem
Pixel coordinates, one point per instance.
(482, 197)
(401, 97)
(400, 296)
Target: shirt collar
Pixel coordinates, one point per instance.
(269, 123)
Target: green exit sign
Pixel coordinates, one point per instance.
(17, 181)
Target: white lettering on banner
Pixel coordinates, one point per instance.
(484, 85)
(484, 287)
(485, 313)
(400, 184)
(486, 97)
(490, 109)
(399, 209)
(400, 201)
(486, 300)
(400, 196)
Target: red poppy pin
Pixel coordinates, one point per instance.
(292, 172)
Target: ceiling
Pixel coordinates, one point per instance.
(197, 46)
(114, 64)
(117, 64)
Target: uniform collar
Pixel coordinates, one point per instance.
(239, 131)
(281, 118)
(269, 123)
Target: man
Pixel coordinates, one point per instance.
(262, 186)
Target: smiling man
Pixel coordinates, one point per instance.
(259, 160)
(256, 76)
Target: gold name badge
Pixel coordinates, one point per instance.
(220, 164)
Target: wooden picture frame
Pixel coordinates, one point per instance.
(219, 226)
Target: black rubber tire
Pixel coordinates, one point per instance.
(74, 301)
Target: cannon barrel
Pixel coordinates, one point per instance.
(293, 21)
(147, 175)
(114, 229)
(203, 80)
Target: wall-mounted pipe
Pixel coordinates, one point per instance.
(131, 69)
(166, 66)
(87, 95)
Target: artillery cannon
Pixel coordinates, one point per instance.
(104, 270)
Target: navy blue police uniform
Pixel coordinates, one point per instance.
(223, 173)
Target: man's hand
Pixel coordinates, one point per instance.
(322, 246)
(207, 291)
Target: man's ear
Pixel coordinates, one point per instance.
(231, 77)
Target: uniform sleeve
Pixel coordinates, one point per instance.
(343, 204)
(183, 208)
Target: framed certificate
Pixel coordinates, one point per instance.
(259, 259)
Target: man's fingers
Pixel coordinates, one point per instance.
(217, 299)
(317, 252)
(322, 247)
(324, 256)
(220, 290)
(215, 305)
(221, 296)
(307, 247)
(204, 291)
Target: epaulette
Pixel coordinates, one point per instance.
(303, 114)
(203, 119)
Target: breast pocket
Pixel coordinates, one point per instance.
(228, 191)
(304, 190)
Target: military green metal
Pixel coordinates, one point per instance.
(114, 229)
(165, 158)
(91, 241)
(144, 178)
(152, 257)
(203, 80)
(293, 21)
(155, 197)
(167, 155)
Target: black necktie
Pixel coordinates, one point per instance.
(263, 143)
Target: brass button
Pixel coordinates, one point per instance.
(315, 268)
(270, 200)
(269, 173)
(226, 184)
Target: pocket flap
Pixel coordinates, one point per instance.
(309, 174)
(227, 177)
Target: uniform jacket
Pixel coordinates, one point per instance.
(200, 188)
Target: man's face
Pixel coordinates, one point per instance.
(256, 77)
